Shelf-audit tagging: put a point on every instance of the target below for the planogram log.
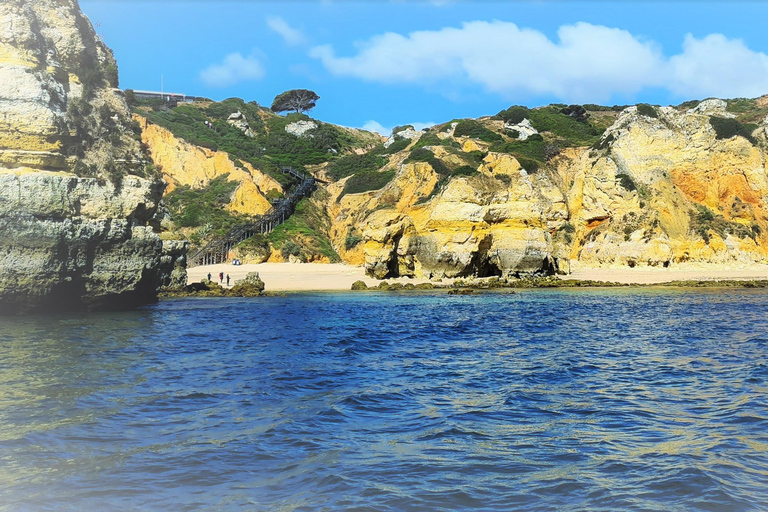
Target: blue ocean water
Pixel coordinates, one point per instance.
(592, 399)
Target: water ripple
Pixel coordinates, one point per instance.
(543, 400)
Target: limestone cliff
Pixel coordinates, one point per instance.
(661, 186)
(75, 206)
(182, 163)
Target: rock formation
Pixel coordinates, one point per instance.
(76, 205)
(183, 163)
(661, 187)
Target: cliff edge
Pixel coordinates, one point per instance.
(77, 194)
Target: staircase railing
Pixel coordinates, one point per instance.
(218, 249)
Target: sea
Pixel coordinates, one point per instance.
(652, 399)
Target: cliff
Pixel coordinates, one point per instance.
(77, 192)
(660, 186)
(182, 163)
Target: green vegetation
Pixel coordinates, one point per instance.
(271, 148)
(472, 128)
(420, 155)
(704, 221)
(515, 114)
(726, 128)
(297, 100)
(204, 207)
(366, 181)
(398, 145)
(626, 181)
(567, 230)
(531, 166)
(352, 240)
(647, 110)
(531, 149)
(431, 139)
(351, 164)
(465, 170)
(747, 110)
(558, 120)
(304, 234)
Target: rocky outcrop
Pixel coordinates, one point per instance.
(659, 189)
(75, 210)
(301, 128)
(74, 243)
(182, 163)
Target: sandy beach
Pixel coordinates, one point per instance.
(652, 275)
(283, 277)
(332, 277)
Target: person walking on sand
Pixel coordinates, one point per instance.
(227, 279)
(209, 276)
(221, 277)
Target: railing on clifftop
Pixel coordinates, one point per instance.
(218, 249)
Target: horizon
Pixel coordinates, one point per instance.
(427, 62)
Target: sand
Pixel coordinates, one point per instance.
(652, 275)
(286, 277)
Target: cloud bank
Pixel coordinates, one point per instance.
(586, 63)
(233, 70)
(291, 36)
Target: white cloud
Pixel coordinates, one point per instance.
(375, 126)
(587, 63)
(290, 35)
(234, 69)
(718, 66)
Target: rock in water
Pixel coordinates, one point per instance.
(250, 286)
(74, 209)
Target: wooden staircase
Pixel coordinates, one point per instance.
(218, 249)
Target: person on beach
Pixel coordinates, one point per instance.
(227, 279)
(221, 277)
(209, 276)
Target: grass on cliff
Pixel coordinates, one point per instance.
(367, 181)
(271, 148)
(195, 208)
(304, 234)
(704, 221)
(567, 130)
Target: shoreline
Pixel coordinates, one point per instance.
(318, 277)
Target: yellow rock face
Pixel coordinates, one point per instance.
(185, 164)
(639, 201)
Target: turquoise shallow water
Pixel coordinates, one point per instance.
(540, 400)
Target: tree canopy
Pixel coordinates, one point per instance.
(296, 100)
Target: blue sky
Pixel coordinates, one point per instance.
(384, 63)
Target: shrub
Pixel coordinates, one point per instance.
(465, 170)
(398, 145)
(531, 166)
(472, 128)
(290, 248)
(726, 128)
(352, 240)
(420, 155)
(573, 132)
(428, 139)
(515, 114)
(205, 206)
(625, 180)
(439, 167)
(647, 110)
(307, 228)
(352, 164)
(366, 181)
